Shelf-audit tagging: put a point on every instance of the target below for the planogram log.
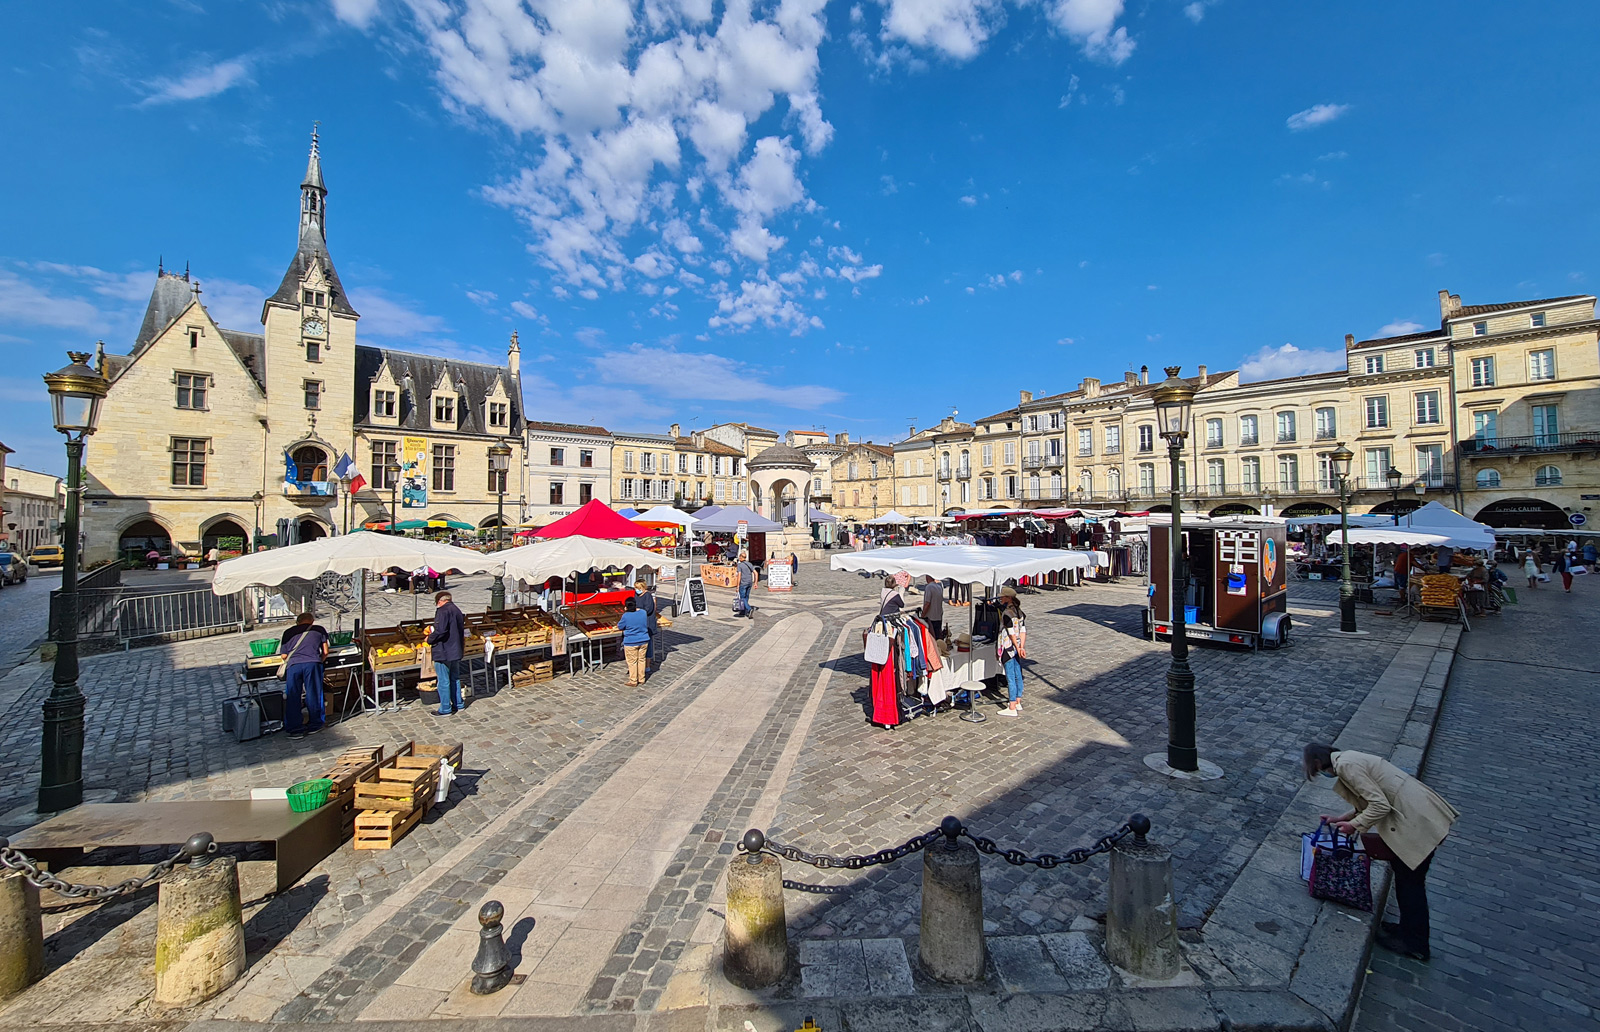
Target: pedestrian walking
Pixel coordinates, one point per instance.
(1400, 821)
(448, 639)
(794, 568)
(635, 628)
(1530, 566)
(933, 606)
(1013, 650)
(650, 607)
(1563, 566)
(304, 647)
(747, 580)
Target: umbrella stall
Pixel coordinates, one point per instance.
(734, 529)
(971, 661)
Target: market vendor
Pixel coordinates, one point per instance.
(304, 648)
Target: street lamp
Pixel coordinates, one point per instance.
(393, 470)
(1174, 401)
(1341, 457)
(258, 498)
(499, 464)
(1394, 476)
(75, 396)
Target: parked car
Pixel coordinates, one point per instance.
(13, 570)
(47, 555)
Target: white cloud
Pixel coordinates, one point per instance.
(525, 310)
(1311, 117)
(390, 316)
(482, 298)
(1271, 363)
(1337, 155)
(699, 375)
(956, 28)
(969, 200)
(764, 301)
(1195, 11)
(355, 12)
(200, 83)
(1093, 25)
(1398, 328)
(1065, 340)
(26, 303)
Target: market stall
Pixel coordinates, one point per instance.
(969, 663)
(732, 524)
(1237, 589)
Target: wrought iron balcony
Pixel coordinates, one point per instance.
(1249, 440)
(1109, 449)
(1033, 462)
(1533, 444)
(311, 492)
(963, 473)
(1058, 460)
(1327, 435)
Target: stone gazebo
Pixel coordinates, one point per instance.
(778, 475)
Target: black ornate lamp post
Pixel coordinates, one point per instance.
(258, 499)
(75, 396)
(1394, 476)
(1341, 458)
(1174, 401)
(499, 464)
(393, 470)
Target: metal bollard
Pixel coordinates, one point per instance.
(21, 932)
(952, 947)
(491, 968)
(755, 945)
(199, 927)
(1142, 915)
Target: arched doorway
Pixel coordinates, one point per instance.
(311, 529)
(1235, 509)
(1524, 513)
(226, 535)
(141, 537)
(1309, 509)
(311, 463)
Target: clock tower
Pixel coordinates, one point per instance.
(310, 345)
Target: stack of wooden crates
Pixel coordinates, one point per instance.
(387, 797)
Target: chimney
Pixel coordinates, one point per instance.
(1202, 375)
(1349, 341)
(1449, 304)
(841, 438)
(514, 356)
(1144, 374)
(1130, 377)
(1027, 396)
(1090, 387)
(675, 430)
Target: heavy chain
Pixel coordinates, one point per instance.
(198, 847)
(950, 829)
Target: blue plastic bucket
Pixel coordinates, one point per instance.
(1191, 614)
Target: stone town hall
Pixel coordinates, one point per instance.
(210, 433)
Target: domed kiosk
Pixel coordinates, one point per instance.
(780, 475)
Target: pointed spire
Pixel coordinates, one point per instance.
(314, 163)
(514, 355)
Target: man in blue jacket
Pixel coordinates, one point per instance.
(447, 638)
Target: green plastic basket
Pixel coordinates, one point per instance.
(341, 637)
(308, 795)
(264, 646)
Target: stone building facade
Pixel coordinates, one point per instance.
(568, 466)
(674, 469)
(209, 436)
(864, 481)
(33, 507)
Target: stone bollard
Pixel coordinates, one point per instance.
(491, 968)
(952, 909)
(1142, 916)
(21, 933)
(755, 944)
(199, 927)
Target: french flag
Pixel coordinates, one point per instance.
(346, 468)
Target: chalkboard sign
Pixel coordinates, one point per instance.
(694, 597)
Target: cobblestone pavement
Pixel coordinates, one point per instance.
(1514, 890)
(24, 614)
(365, 931)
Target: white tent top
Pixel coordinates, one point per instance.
(1372, 519)
(568, 556)
(727, 521)
(966, 564)
(665, 514)
(1437, 518)
(346, 554)
(1391, 535)
(890, 519)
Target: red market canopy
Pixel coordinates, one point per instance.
(595, 520)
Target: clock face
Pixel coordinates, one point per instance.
(314, 327)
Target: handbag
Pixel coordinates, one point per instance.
(1341, 873)
(877, 650)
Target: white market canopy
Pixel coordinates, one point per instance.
(727, 521)
(569, 556)
(966, 564)
(890, 519)
(665, 514)
(1373, 519)
(1432, 524)
(346, 554)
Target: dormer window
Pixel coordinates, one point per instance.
(444, 408)
(194, 336)
(1374, 364)
(499, 414)
(1536, 320)
(315, 298)
(384, 404)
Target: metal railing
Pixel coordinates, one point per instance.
(964, 473)
(944, 476)
(174, 615)
(1575, 440)
(1033, 462)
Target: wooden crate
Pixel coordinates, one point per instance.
(381, 829)
(453, 752)
(404, 781)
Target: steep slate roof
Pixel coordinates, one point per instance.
(1402, 338)
(1471, 310)
(425, 371)
(168, 299)
(567, 428)
(311, 245)
(251, 349)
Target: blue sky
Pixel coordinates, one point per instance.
(849, 215)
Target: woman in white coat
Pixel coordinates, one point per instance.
(1401, 820)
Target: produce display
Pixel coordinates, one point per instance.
(594, 621)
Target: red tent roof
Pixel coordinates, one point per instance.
(594, 520)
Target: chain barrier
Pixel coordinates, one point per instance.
(198, 851)
(950, 829)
